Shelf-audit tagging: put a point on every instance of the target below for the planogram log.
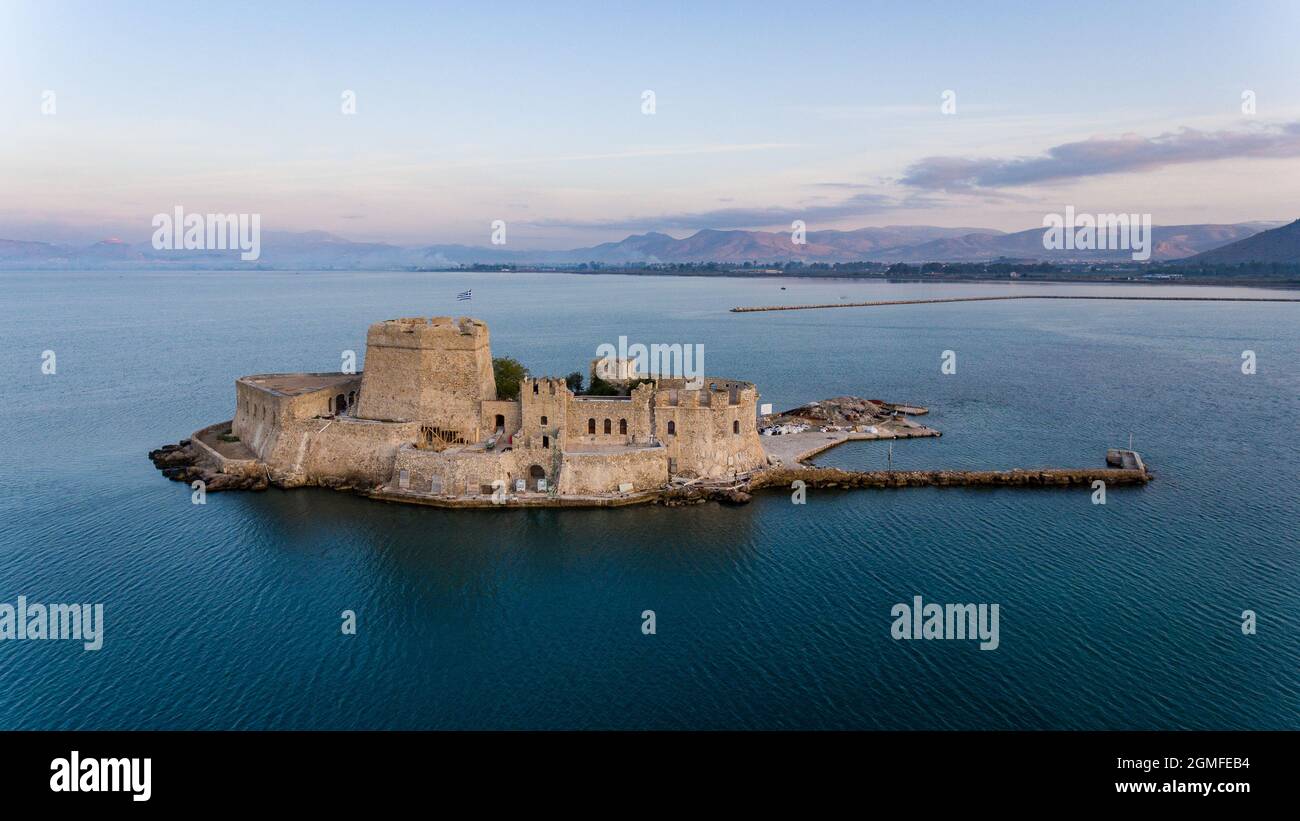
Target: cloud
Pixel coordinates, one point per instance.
(858, 205)
(1103, 155)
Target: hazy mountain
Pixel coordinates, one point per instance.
(1276, 245)
(1168, 242)
(18, 251)
(711, 245)
(320, 250)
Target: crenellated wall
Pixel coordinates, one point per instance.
(710, 431)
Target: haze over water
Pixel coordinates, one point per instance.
(771, 615)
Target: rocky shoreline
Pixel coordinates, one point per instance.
(180, 463)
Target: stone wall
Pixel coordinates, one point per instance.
(472, 472)
(588, 474)
(710, 432)
(435, 371)
(342, 451)
(259, 410)
(546, 403)
(430, 381)
(508, 409)
(459, 472)
(634, 410)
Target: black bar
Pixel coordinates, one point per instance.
(978, 769)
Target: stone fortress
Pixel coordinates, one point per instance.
(423, 422)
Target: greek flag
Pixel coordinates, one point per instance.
(463, 295)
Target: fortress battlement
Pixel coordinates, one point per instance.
(707, 392)
(437, 332)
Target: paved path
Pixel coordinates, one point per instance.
(793, 448)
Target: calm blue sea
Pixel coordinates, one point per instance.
(774, 615)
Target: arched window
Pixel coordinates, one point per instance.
(591, 426)
(622, 427)
(609, 428)
(672, 428)
(735, 427)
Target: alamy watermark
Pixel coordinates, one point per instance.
(946, 621)
(35, 621)
(1098, 232)
(675, 361)
(77, 774)
(208, 232)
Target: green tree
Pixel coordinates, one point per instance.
(509, 372)
(599, 387)
(574, 381)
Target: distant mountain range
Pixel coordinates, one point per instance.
(319, 250)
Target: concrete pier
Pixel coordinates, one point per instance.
(793, 448)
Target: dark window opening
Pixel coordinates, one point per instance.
(622, 427)
(608, 427)
(672, 428)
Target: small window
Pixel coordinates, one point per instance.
(622, 427)
(534, 389)
(543, 420)
(546, 441)
(672, 428)
(735, 427)
(591, 426)
(609, 428)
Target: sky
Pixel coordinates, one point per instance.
(534, 113)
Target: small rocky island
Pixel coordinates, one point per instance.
(424, 424)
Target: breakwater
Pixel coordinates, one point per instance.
(818, 477)
(883, 302)
(784, 478)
